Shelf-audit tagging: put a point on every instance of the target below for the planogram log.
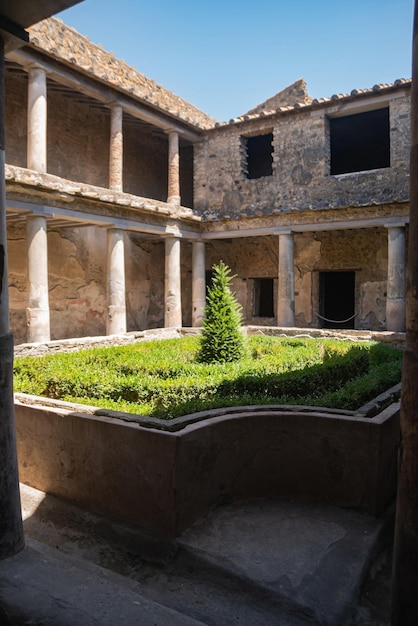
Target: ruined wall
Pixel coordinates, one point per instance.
(301, 166)
(363, 251)
(77, 141)
(144, 266)
(16, 89)
(78, 281)
(145, 163)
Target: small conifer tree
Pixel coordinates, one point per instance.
(221, 340)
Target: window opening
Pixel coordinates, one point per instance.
(360, 142)
(263, 297)
(258, 152)
(336, 299)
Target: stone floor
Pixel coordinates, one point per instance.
(260, 563)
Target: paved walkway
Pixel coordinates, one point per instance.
(277, 562)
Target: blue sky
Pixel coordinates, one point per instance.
(226, 56)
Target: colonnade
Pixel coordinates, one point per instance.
(38, 308)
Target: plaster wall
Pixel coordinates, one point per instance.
(363, 251)
(143, 475)
(78, 281)
(301, 177)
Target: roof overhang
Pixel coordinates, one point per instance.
(16, 15)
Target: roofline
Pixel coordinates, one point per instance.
(356, 95)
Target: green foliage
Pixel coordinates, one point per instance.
(221, 340)
(163, 379)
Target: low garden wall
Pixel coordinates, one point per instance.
(163, 476)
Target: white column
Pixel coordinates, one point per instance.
(172, 318)
(116, 149)
(198, 282)
(286, 290)
(395, 302)
(116, 304)
(173, 195)
(37, 120)
(37, 313)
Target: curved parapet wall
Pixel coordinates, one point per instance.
(165, 480)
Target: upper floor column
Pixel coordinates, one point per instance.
(395, 301)
(198, 282)
(173, 195)
(116, 148)
(286, 289)
(37, 120)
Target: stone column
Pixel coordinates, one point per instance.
(116, 149)
(11, 528)
(198, 282)
(36, 150)
(286, 290)
(395, 302)
(116, 308)
(172, 318)
(405, 558)
(37, 313)
(173, 168)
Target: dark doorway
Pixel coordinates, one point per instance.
(336, 299)
(208, 280)
(263, 297)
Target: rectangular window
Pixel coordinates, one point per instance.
(258, 155)
(360, 142)
(263, 297)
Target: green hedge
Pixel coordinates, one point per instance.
(163, 379)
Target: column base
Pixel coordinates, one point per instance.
(174, 200)
(395, 315)
(11, 527)
(116, 320)
(38, 325)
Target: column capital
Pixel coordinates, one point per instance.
(282, 231)
(400, 224)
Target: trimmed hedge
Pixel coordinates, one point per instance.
(163, 379)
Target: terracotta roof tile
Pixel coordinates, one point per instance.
(59, 40)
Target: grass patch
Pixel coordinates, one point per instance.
(163, 379)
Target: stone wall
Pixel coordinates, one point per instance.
(78, 140)
(16, 112)
(363, 251)
(145, 163)
(78, 281)
(300, 179)
(171, 479)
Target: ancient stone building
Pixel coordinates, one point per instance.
(121, 196)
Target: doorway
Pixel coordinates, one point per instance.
(336, 299)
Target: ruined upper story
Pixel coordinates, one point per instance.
(289, 154)
(344, 151)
